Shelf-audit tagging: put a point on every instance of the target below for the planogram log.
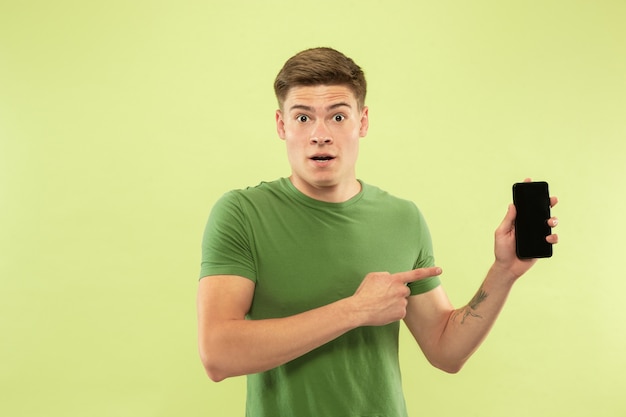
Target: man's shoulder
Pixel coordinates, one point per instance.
(378, 194)
(261, 187)
(255, 194)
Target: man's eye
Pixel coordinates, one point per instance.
(339, 117)
(303, 118)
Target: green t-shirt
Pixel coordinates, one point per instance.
(302, 254)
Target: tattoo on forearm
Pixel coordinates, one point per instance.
(470, 309)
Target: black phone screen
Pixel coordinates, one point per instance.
(532, 202)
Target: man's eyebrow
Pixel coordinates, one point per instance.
(337, 105)
(301, 107)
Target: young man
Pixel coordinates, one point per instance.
(291, 291)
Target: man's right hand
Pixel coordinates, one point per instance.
(382, 297)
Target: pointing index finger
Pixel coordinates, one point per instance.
(417, 274)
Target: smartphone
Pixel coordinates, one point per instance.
(532, 202)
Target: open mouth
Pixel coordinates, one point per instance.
(322, 158)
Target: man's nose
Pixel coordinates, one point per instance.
(321, 141)
(321, 135)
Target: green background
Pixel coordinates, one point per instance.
(122, 122)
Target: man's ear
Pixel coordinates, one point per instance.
(365, 122)
(280, 124)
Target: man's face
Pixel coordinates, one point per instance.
(321, 126)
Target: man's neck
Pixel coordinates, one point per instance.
(330, 194)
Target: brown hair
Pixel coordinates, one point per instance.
(320, 66)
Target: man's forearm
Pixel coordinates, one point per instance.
(240, 347)
(449, 336)
(467, 327)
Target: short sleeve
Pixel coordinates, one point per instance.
(226, 244)
(425, 257)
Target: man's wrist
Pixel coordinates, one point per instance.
(503, 274)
